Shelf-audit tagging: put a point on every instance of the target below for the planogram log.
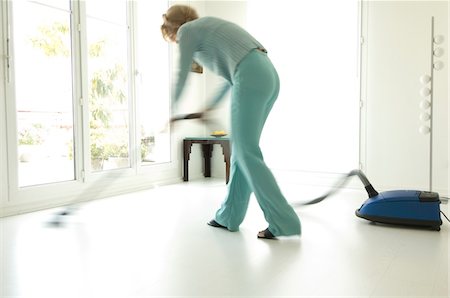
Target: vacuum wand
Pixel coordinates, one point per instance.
(187, 117)
(202, 116)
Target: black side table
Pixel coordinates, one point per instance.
(207, 148)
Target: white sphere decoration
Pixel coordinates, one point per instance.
(425, 91)
(425, 79)
(438, 52)
(438, 65)
(425, 104)
(438, 39)
(424, 129)
(424, 116)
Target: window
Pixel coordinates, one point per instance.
(108, 87)
(89, 89)
(43, 91)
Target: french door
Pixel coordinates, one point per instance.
(43, 91)
(83, 98)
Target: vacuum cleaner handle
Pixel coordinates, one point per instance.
(186, 117)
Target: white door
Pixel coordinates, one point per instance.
(397, 48)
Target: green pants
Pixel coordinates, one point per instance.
(255, 89)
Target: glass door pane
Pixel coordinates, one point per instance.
(108, 84)
(43, 89)
(152, 83)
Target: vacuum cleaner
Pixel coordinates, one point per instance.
(398, 207)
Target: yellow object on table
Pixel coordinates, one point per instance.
(218, 133)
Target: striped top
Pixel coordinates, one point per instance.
(217, 45)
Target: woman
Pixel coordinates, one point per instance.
(232, 53)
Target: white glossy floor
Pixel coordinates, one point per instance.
(156, 243)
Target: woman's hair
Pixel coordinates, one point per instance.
(176, 16)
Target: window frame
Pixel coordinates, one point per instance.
(90, 184)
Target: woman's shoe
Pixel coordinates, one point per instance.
(215, 224)
(266, 234)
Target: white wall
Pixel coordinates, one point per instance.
(314, 45)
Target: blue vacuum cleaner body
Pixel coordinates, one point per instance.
(403, 207)
(399, 207)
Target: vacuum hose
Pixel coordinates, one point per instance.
(369, 188)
